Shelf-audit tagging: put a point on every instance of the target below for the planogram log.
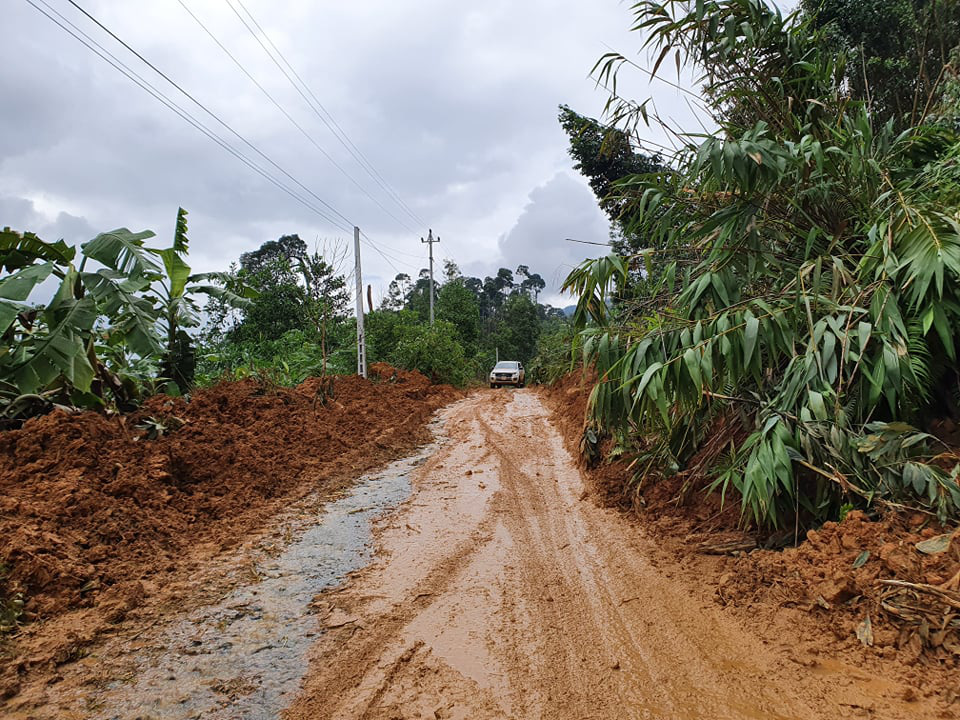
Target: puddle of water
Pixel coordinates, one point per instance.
(244, 657)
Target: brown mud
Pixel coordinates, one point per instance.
(497, 589)
(856, 597)
(500, 591)
(96, 517)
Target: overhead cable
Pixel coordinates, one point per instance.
(210, 113)
(148, 87)
(324, 114)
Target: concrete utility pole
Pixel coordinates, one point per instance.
(430, 241)
(361, 339)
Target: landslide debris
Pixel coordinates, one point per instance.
(882, 589)
(92, 506)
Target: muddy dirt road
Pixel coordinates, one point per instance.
(491, 587)
(499, 591)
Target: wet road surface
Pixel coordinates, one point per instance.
(483, 584)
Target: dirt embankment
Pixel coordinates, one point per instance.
(860, 590)
(97, 511)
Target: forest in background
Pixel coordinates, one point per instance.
(300, 321)
(129, 319)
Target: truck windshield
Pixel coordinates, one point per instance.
(506, 366)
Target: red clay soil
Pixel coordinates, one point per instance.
(90, 507)
(812, 596)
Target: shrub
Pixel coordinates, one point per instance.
(434, 351)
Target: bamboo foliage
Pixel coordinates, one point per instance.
(814, 285)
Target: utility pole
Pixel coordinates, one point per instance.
(430, 241)
(361, 339)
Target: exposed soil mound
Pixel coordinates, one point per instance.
(680, 499)
(91, 505)
(903, 572)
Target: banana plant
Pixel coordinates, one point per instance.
(123, 309)
(173, 294)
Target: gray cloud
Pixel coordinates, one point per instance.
(455, 106)
(20, 213)
(561, 208)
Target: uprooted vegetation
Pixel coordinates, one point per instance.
(92, 506)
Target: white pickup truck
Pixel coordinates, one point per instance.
(507, 372)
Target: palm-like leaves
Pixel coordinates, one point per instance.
(143, 305)
(816, 267)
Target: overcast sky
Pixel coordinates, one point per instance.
(455, 106)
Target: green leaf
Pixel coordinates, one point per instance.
(750, 332)
(123, 251)
(817, 406)
(861, 559)
(62, 350)
(20, 250)
(944, 330)
(645, 380)
(132, 316)
(180, 242)
(19, 285)
(178, 272)
(928, 320)
(692, 361)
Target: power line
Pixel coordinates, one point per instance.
(381, 253)
(385, 255)
(341, 135)
(257, 83)
(148, 87)
(289, 117)
(588, 242)
(211, 113)
(329, 126)
(111, 59)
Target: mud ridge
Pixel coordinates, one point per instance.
(817, 600)
(98, 513)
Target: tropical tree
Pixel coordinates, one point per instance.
(900, 53)
(812, 291)
(272, 271)
(460, 307)
(605, 154)
(434, 351)
(326, 294)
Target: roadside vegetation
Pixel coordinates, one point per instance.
(298, 323)
(790, 276)
(115, 326)
(105, 325)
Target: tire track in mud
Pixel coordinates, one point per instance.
(496, 590)
(499, 592)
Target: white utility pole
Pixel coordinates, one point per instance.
(361, 339)
(430, 241)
